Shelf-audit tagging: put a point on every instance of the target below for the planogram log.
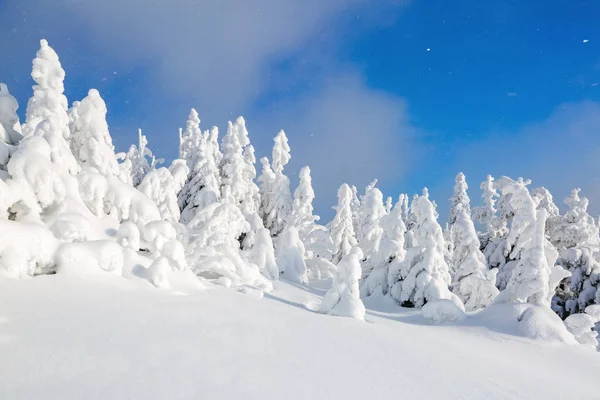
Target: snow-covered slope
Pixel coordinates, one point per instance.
(65, 337)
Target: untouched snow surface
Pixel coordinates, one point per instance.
(65, 337)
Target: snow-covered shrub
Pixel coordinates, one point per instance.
(125, 203)
(581, 326)
(156, 234)
(90, 257)
(471, 280)
(128, 235)
(26, 249)
(10, 128)
(423, 276)
(213, 251)
(290, 256)
(137, 157)
(159, 273)
(442, 310)
(174, 252)
(263, 254)
(343, 299)
(162, 187)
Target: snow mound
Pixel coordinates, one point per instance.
(441, 311)
(90, 257)
(541, 323)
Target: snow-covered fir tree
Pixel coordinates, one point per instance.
(46, 114)
(232, 164)
(162, 185)
(471, 280)
(10, 128)
(424, 275)
(290, 256)
(90, 140)
(576, 235)
(370, 231)
(531, 276)
(341, 228)
(460, 199)
(278, 199)
(391, 250)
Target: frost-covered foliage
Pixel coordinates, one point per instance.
(582, 326)
(343, 299)
(341, 227)
(576, 236)
(471, 280)
(203, 186)
(141, 159)
(302, 209)
(162, 185)
(531, 276)
(423, 276)
(90, 140)
(370, 230)
(391, 250)
(46, 114)
(277, 201)
(290, 256)
(214, 252)
(233, 166)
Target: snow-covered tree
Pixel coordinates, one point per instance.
(423, 276)
(460, 199)
(251, 202)
(342, 231)
(233, 166)
(471, 280)
(290, 256)
(355, 207)
(531, 276)
(141, 159)
(576, 235)
(302, 209)
(278, 200)
(370, 230)
(91, 142)
(46, 114)
(190, 139)
(343, 299)
(202, 187)
(266, 181)
(391, 250)
(162, 185)
(263, 254)
(10, 128)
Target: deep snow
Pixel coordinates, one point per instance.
(67, 337)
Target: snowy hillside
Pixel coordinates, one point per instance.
(121, 278)
(66, 338)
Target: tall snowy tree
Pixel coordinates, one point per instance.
(232, 166)
(342, 231)
(302, 209)
(355, 207)
(471, 280)
(423, 276)
(190, 139)
(576, 235)
(460, 199)
(91, 142)
(531, 276)
(370, 231)
(391, 250)
(278, 200)
(46, 114)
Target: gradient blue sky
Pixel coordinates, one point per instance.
(411, 92)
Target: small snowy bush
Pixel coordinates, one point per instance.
(343, 299)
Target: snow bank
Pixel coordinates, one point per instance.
(90, 257)
(442, 310)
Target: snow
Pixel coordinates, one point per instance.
(125, 339)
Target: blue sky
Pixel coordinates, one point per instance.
(410, 92)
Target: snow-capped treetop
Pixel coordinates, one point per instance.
(190, 138)
(138, 156)
(576, 227)
(91, 142)
(242, 131)
(355, 208)
(46, 114)
(281, 152)
(389, 203)
(342, 231)
(460, 199)
(543, 198)
(10, 128)
(251, 202)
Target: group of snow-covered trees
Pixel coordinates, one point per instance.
(67, 199)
